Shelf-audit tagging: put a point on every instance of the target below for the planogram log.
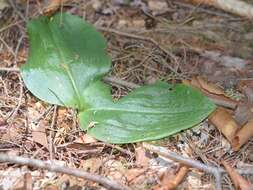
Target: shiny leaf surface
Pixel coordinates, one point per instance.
(66, 56)
(148, 113)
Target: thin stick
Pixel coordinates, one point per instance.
(115, 80)
(61, 169)
(11, 69)
(51, 144)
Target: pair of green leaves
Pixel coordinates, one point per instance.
(66, 63)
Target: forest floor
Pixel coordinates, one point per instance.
(147, 41)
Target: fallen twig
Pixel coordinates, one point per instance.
(115, 80)
(11, 69)
(61, 169)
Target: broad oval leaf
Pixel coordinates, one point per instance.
(66, 55)
(66, 62)
(148, 113)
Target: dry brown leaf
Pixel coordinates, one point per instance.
(134, 173)
(223, 121)
(11, 134)
(24, 183)
(39, 134)
(215, 93)
(141, 158)
(246, 87)
(243, 135)
(28, 182)
(85, 139)
(92, 165)
(2, 122)
(209, 87)
(238, 180)
(243, 113)
(170, 181)
(206, 87)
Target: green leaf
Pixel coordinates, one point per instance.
(66, 55)
(66, 63)
(148, 113)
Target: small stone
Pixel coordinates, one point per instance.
(96, 5)
(139, 23)
(155, 5)
(122, 23)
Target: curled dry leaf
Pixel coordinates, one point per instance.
(246, 87)
(214, 92)
(243, 113)
(201, 84)
(238, 180)
(169, 182)
(243, 135)
(223, 121)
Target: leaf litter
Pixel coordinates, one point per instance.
(183, 30)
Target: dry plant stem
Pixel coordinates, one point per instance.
(51, 145)
(61, 169)
(115, 80)
(11, 69)
(187, 161)
(238, 7)
(119, 149)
